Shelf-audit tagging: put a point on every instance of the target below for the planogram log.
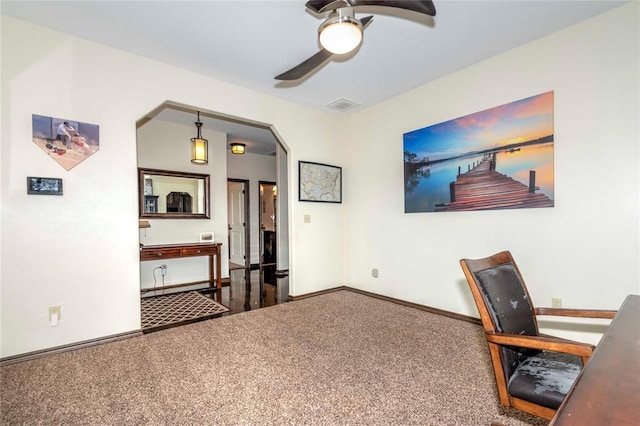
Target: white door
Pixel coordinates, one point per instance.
(235, 203)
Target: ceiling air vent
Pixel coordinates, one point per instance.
(343, 105)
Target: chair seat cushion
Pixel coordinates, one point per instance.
(545, 378)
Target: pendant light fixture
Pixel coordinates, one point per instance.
(238, 148)
(199, 146)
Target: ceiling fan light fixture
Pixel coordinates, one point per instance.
(340, 34)
(199, 146)
(238, 148)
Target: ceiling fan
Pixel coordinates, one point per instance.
(341, 32)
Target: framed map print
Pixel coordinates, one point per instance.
(319, 182)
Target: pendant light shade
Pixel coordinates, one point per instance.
(199, 146)
(238, 148)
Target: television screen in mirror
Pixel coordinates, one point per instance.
(165, 194)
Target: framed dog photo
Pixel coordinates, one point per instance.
(206, 237)
(44, 186)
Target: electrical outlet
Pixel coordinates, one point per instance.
(307, 218)
(374, 272)
(163, 269)
(556, 302)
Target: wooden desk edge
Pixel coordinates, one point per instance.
(629, 308)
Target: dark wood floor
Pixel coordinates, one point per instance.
(252, 289)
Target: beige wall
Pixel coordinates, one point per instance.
(81, 250)
(584, 250)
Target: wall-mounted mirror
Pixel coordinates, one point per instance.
(165, 194)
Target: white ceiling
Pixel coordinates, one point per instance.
(249, 42)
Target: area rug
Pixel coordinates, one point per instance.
(169, 310)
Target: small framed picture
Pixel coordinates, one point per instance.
(206, 237)
(44, 186)
(148, 186)
(151, 204)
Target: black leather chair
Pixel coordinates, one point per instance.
(533, 372)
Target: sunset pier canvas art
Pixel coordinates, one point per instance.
(499, 158)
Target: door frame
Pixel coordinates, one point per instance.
(247, 223)
(260, 212)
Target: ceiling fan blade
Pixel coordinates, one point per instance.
(306, 66)
(420, 6)
(327, 6)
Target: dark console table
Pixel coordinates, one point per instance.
(174, 251)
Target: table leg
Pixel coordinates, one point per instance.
(219, 267)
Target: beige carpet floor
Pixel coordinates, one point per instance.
(337, 359)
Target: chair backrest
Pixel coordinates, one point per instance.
(503, 303)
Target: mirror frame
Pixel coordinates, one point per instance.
(187, 175)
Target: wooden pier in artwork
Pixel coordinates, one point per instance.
(483, 188)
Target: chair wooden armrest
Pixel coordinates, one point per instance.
(555, 344)
(578, 313)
